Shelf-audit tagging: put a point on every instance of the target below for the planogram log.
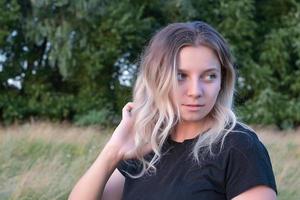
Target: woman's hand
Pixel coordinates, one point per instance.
(123, 136)
(121, 146)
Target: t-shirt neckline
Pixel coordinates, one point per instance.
(186, 141)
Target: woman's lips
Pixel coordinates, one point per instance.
(193, 107)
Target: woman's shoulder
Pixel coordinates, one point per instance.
(248, 162)
(242, 137)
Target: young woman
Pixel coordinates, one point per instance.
(180, 139)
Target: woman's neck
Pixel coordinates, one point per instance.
(188, 130)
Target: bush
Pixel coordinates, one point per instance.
(104, 117)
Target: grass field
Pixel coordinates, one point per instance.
(43, 160)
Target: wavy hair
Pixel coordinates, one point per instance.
(156, 112)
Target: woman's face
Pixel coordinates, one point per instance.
(199, 82)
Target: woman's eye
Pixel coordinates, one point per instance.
(210, 77)
(181, 76)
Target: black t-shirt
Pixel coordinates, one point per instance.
(242, 164)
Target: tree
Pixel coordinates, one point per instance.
(77, 60)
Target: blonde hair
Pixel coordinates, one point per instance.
(156, 112)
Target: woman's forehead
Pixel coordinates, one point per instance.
(198, 58)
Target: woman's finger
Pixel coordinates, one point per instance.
(126, 111)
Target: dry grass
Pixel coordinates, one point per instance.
(284, 150)
(43, 160)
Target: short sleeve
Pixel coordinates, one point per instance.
(129, 167)
(248, 165)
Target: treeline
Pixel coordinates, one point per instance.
(76, 60)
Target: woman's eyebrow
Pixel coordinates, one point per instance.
(204, 71)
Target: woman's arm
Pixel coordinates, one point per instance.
(120, 147)
(91, 185)
(258, 193)
(114, 187)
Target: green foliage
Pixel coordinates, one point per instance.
(49, 106)
(69, 55)
(276, 97)
(103, 117)
(271, 108)
(9, 16)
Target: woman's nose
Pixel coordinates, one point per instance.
(195, 89)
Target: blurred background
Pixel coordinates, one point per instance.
(77, 60)
(66, 66)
